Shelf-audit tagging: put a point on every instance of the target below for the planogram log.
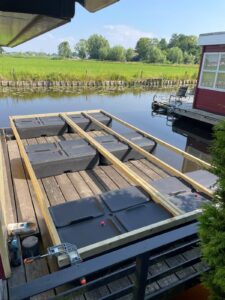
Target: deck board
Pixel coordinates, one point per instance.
(24, 204)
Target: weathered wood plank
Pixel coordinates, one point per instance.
(10, 208)
(116, 177)
(25, 210)
(80, 185)
(138, 171)
(104, 179)
(68, 190)
(149, 172)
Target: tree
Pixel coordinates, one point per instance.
(187, 43)
(104, 53)
(175, 55)
(142, 47)
(64, 50)
(81, 49)
(189, 58)
(162, 44)
(95, 43)
(117, 53)
(212, 225)
(130, 54)
(155, 55)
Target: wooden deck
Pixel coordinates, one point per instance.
(186, 110)
(23, 206)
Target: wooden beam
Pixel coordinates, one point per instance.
(51, 114)
(160, 142)
(138, 234)
(152, 158)
(40, 197)
(154, 194)
(3, 226)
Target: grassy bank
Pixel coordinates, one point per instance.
(13, 68)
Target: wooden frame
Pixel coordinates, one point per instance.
(152, 158)
(94, 249)
(52, 114)
(40, 197)
(160, 142)
(3, 226)
(217, 71)
(155, 195)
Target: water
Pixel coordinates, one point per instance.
(133, 107)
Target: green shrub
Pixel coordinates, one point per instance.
(212, 222)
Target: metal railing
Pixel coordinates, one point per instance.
(133, 259)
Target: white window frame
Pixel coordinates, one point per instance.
(217, 71)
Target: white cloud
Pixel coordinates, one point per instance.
(124, 35)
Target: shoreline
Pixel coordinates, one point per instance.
(151, 83)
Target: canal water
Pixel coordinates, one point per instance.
(132, 106)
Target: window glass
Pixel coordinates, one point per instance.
(220, 82)
(208, 79)
(222, 63)
(211, 61)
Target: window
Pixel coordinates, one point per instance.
(213, 72)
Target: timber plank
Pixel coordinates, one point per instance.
(10, 208)
(149, 172)
(80, 185)
(96, 188)
(68, 190)
(153, 167)
(25, 209)
(138, 171)
(116, 177)
(104, 179)
(53, 191)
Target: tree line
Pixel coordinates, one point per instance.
(180, 49)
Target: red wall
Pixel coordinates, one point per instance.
(208, 100)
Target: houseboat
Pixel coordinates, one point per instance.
(208, 102)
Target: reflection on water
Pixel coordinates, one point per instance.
(132, 106)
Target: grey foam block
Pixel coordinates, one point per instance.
(117, 148)
(57, 158)
(87, 125)
(140, 141)
(170, 186)
(76, 211)
(44, 126)
(124, 198)
(188, 202)
(205, 178)
(142, 215)
(89, 232)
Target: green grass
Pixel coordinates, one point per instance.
(13, 68)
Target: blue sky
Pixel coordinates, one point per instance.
(128, 20)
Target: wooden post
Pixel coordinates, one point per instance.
(40, 197)
(3, 226)
(152, 158)
(160, 142)
(155, 195)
